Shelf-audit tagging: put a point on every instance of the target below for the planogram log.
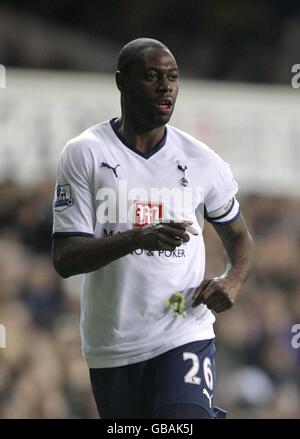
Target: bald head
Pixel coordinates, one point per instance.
(147, 78)
(129, 52)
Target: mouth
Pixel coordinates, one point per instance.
(165, 105)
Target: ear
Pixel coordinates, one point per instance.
(120, 81)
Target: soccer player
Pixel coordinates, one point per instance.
(130, 196)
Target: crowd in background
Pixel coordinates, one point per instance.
(42, 372)
(255, 40)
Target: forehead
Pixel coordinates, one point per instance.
(155, 58)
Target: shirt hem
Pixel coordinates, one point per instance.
(58, 234)
(98, 363)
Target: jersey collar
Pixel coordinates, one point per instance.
(146, 156)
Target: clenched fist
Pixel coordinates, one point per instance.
(162, 236)
(217, 294)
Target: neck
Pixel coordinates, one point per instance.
(144, 140)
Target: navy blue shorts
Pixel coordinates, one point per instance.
(184, 375)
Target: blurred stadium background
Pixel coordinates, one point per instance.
(235, 60)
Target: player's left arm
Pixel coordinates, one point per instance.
(219, 293)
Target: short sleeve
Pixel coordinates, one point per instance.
(73, 206)
(220, 202)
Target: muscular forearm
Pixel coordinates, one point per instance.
(83, 255)
(239, 246)
(77, 254)
(239, 253)
(219, 294)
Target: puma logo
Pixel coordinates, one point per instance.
(106, 165)
(205, 392)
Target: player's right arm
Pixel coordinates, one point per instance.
(75, 249)
(73, 255)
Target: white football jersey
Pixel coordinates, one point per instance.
(105, 186)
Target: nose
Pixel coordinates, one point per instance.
(165, 85)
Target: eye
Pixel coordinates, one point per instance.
(173, 77)
(151, 76)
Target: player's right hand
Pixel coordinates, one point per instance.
(163, 236)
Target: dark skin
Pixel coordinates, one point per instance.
(219, 294)
(77, 254)
(153, 76)
(149, 82)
